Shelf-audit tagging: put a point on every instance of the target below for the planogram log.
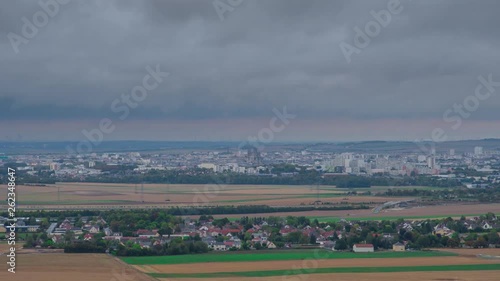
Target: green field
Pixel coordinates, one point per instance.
(274, 255)
(269, 273)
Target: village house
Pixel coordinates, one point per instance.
(209, 240)
(57, 239)
(94, 229)
(270, 245)
(219, 246)
(144, 242)
(486, 226)
(101, 221)
(144, 233)
(88, 236)
(107, 231)
(284, 231)
(229, 244)
(442, 230)
(76, 230)
(114, 236)
(363, 248)
(329, 245)
(398, 247)
(51, 228)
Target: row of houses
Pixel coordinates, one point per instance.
(88, 229)
(230, 236)
(21, 225)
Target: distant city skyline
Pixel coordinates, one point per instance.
(430, 71)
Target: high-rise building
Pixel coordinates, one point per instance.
(452, 152)
(478, 150)
(431, 162)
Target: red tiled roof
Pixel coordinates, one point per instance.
(226, 231)
(363, 245)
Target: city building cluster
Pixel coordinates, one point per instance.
(250, 161)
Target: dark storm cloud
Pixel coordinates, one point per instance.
(265, 54)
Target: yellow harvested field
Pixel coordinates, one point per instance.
(95, 194)
(109, 195)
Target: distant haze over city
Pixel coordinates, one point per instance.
(419, 75)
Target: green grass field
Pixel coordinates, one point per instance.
(269, 273)
(274, 255)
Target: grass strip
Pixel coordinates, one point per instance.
(269, 273)
(275, 255)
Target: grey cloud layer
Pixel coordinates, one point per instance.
(265, 54)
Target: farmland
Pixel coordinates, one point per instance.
(319, 265)
(407, 276)
(109, 195)
(435, 211)
(273, 256)
(165, 195)
(266, 265)
(77, 196)
(81, 267)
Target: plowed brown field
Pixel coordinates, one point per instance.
(74, 267)
(403, 276)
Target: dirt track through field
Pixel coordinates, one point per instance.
(396, 276)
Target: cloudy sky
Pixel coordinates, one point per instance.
(229, 68)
